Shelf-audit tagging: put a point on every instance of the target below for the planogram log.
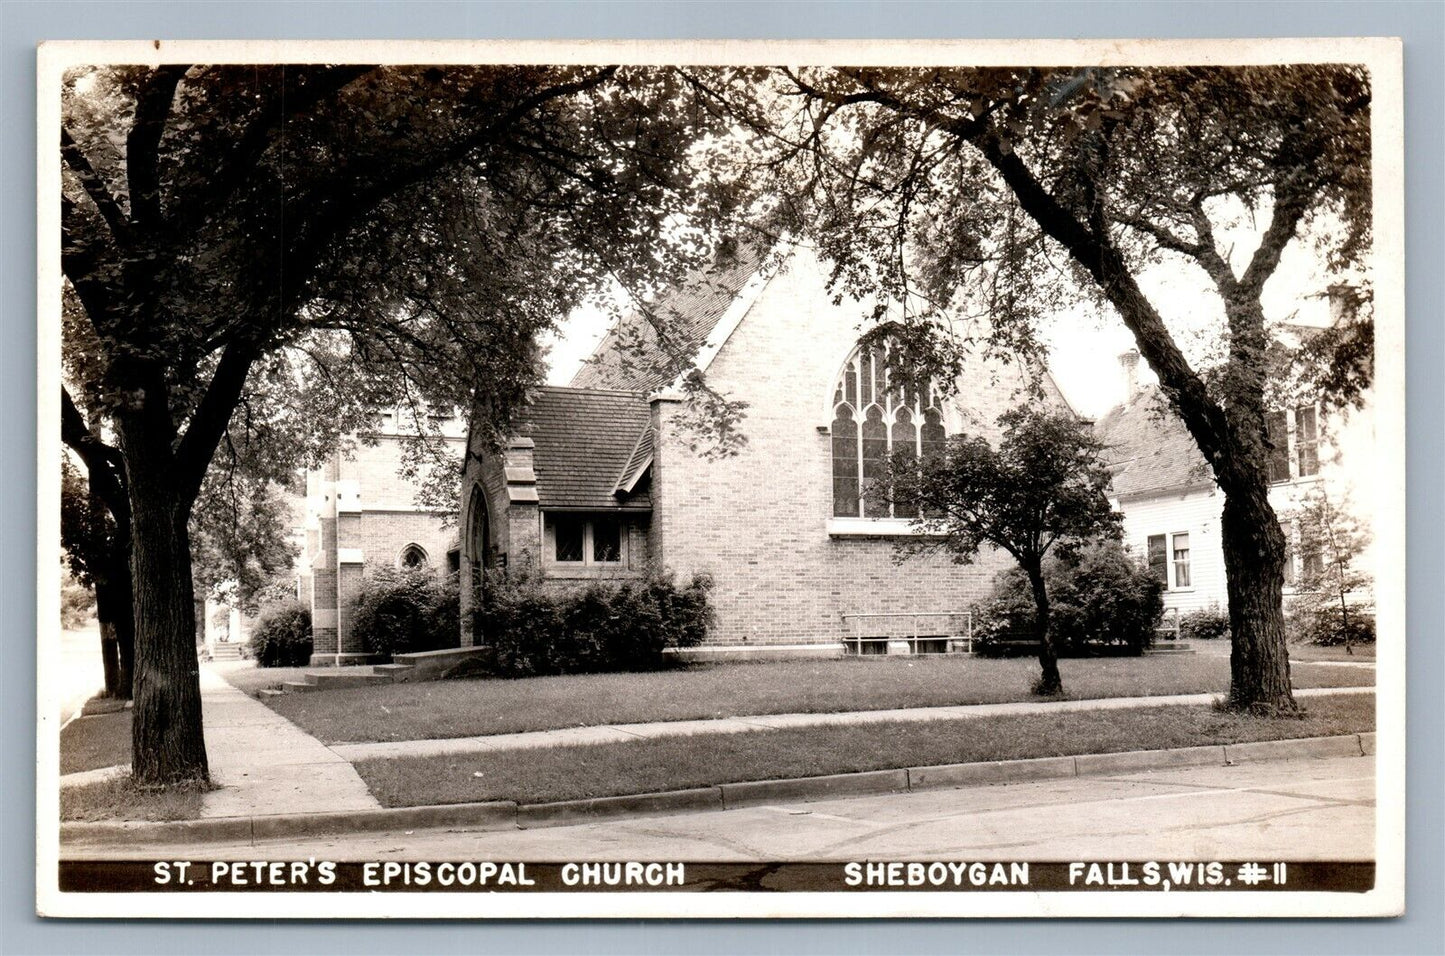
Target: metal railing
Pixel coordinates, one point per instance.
(941, 632)
(1168, 629)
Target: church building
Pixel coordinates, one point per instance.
(605, 479)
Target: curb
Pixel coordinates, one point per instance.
(507, 815)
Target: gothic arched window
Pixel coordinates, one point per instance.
(413, 557)
(873, 421)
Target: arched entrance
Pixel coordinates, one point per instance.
(477, 555)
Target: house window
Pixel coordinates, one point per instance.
(1312, 561)
(1306, 438)
(569, 534)
(874, 420)
(1169, 560)
(1276, 427)
(606, 541)
(1159, 558)
(1181, 560)
(584, 541)
(1293, 453)
(413, 557)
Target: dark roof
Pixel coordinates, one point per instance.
(585, 439)
(1148, 448)
(631, 356)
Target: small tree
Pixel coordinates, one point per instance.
(1332, 541)
(1043, 487)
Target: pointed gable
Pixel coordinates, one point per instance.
(632, 356)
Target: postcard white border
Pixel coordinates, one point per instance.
(1382, 56)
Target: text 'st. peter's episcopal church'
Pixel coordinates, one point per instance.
(604, 479)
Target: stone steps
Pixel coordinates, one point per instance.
(334, 678)
(225, 651)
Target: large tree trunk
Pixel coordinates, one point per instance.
(1254, 554)
(107, 608)
(114, 614)
(1050, 683)
(166, 737)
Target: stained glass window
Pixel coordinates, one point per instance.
(874, 420)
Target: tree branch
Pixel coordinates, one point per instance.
(1291, 201)
(95, 188)
(1204, 418)
(103, 463)
(212, 415)
(142, 146)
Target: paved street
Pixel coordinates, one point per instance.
(80, 675)
(1293, 810)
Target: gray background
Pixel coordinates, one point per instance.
(23, 24)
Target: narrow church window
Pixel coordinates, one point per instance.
(874, 419)
(845, 461)
(413, 557)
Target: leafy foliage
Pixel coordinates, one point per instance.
(1328, 626)
(282, 635)
(1101, 602)
(537, 629)
(1042, 486)
(77, 602)
(1333, 602)
(1042, 489)
(1204, 625)
(403, 611)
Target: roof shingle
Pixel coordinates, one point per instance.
(585, 440)
(1148, 448)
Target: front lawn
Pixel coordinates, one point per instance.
(679, 763)
(481, 707)
(1363, 653)
(90, 743)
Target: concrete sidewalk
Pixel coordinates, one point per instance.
(265, 764)
(617, 733)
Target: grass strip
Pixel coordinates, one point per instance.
(676, 763)
(120, 799)
(89, 743)
(482, 707)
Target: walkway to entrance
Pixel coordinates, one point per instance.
(263, 763)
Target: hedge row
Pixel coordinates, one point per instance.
(603, 627)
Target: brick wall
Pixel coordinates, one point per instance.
(758, 521)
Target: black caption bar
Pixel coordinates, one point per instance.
(453, 876)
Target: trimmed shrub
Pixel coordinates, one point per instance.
(1100, 602)
(603, 627)
(407, 611)
(1326, 626)
(1207, 625)
(282, 636)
